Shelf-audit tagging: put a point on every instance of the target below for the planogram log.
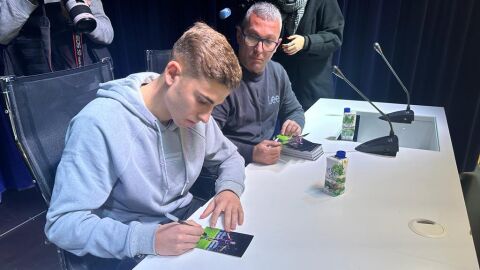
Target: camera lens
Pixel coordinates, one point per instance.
(85, 25)
(81, 15)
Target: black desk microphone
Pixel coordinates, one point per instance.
(405, 116)
(385, 146)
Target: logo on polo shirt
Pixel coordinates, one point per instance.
(274, 99)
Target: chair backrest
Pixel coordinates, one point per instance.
(40, 108)
(157, 60)
(471, 193)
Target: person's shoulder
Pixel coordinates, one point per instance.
(100, 112)
(102, 106)
(276, 67)
(277, 70)
(272, 64)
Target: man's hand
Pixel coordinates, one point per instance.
(175, 239)
(295, 45)
(228, 203)
(267, 152)
(291, 127)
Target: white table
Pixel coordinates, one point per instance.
(296, 226)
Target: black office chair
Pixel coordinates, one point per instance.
(471, 193)
(157, 60)
(40, 108)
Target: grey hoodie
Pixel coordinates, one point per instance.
(119, 173)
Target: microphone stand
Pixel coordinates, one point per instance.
(405, 116)
(385, 146)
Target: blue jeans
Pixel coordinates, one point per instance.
(204, 186)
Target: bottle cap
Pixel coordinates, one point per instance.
(346, 110)
(340, 154)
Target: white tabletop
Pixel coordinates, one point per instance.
(296, 226)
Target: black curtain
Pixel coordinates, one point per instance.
(432, 44)
(434, 47)
(151, 24)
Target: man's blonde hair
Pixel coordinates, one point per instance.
(205, 53)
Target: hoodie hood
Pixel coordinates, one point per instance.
(127, 92)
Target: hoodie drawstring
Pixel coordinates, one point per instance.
(162, 154)
(160, 138)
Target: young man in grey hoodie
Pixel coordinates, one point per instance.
(133, 153)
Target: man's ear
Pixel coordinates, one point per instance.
(279, 44)
(172, 72)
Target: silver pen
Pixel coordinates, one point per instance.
(176, 219)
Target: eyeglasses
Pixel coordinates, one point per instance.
(252, 41)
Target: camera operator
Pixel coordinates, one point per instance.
(44, 36)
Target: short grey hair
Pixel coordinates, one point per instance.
(266, 11)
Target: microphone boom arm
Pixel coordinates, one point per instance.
(339, 74)
(378, 49)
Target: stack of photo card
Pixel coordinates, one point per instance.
(302, 148)
(230, 243)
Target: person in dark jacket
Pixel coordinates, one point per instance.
(249, 115)
(36, 36)
(39, 37)
(313, 31)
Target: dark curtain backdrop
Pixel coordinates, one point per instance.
(432, 44)
(151, 24)
(434, 47)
